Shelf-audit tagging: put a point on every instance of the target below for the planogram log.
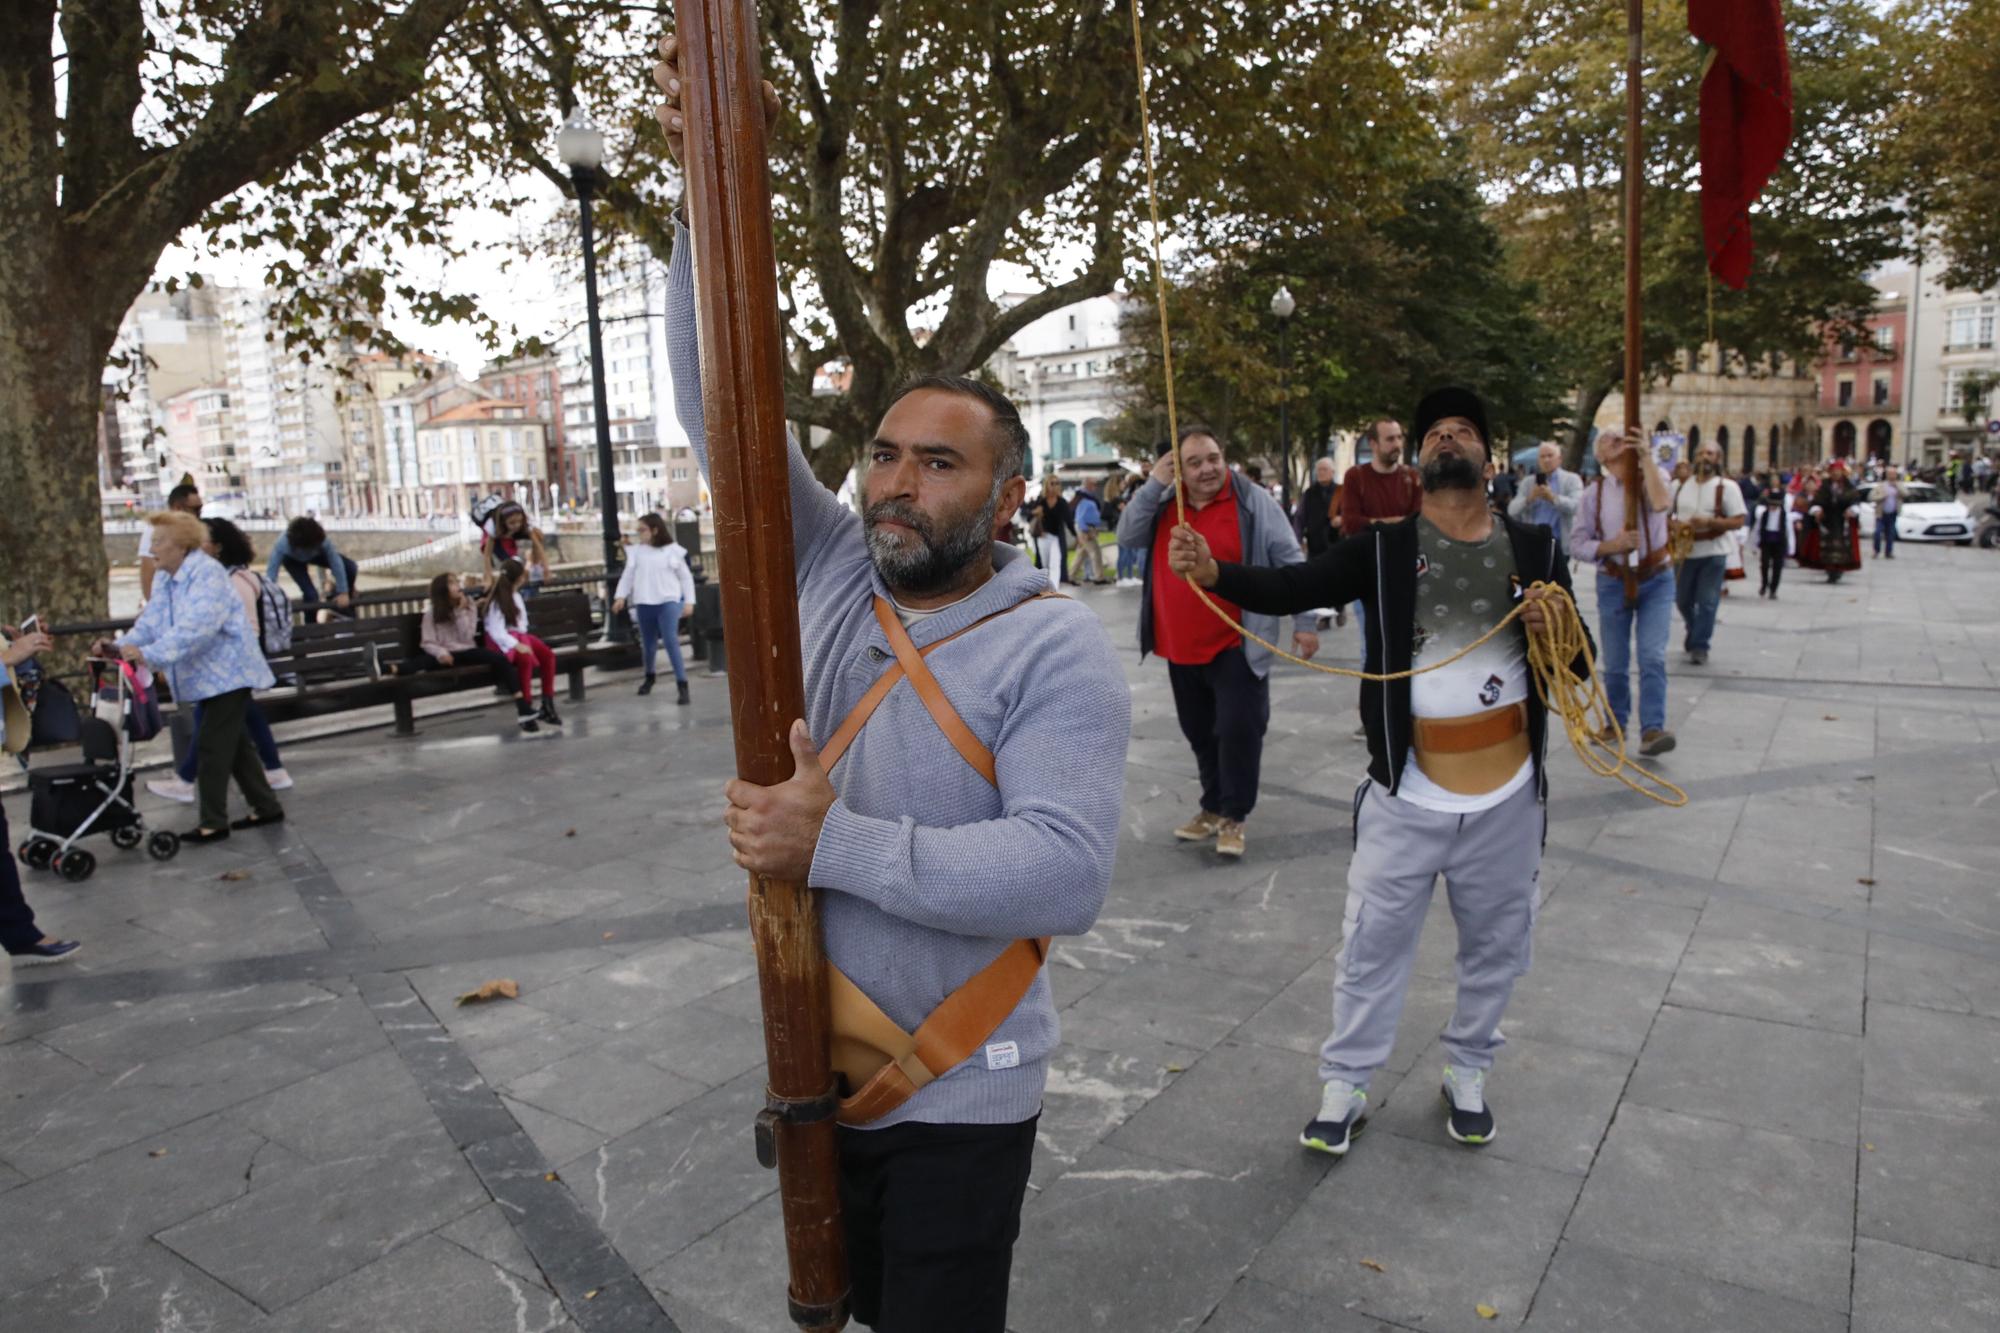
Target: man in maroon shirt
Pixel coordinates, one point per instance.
(1222, 693)
(1382, 490)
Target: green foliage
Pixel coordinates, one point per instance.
(1384, 313)
(1944, 143)
(1537, 88)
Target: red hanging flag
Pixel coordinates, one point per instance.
(1746, 121)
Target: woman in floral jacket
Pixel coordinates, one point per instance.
(196, 633)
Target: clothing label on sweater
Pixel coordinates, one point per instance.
(1003, 1055)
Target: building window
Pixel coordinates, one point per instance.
(1846, 392)
(1062, 440)
(1093, 434)
(1971, 326)
(1881, 390)
(1885, 339)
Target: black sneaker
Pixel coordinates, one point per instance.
(1343, 1110)
(548, 713)
(54, 951)
(1469, 1120)
(646, 685)
(681, 692)
(524, 716)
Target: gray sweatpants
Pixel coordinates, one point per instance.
(1492, 865)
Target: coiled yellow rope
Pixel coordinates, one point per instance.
(1578, 700)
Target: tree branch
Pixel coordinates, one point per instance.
(106, 41)
(229, 149)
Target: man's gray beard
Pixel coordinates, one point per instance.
(1451, 472)
(925, 563)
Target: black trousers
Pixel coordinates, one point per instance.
(1224, 707)
(1770, 565)
(496, 663)
(223, 750)
(931, 1213)
(18, 930)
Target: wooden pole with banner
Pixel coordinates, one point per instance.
(736, 297)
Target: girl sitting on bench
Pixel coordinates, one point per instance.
(449, 637)
(506, 616)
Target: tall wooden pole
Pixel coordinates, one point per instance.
(1635, 149)
(736, 292)
(1635, 171)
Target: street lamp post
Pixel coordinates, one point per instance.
(1282, 306)
(580, 144)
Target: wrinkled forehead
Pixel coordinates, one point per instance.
(1456, 425)
(1200, 449)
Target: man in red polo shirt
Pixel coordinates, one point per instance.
(1221, 692)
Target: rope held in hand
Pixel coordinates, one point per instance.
(1578, 700)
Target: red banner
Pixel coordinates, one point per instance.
(1746, 121)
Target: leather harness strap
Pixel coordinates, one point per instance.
(1456, 735)
(885, 1065)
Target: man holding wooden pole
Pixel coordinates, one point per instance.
(955, 799)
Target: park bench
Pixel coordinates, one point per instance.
(341, 666)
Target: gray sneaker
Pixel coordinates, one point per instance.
(1343, 1110)
(1656, 742)
(1468, 1119)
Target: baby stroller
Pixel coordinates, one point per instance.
(68, 802)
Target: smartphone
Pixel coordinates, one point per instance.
(31, 624)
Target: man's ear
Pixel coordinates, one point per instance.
(1012, 492)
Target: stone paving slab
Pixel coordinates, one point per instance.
(1749, 1082)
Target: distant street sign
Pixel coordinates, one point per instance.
(1993, 426)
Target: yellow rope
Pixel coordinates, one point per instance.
(1575, 699)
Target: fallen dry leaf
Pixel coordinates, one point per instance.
(1828, 717)
(1864, 880)
(609, 933)
(157, 1152)
(1869, 1146)
(591, 1295)
(503, 989)
(569, 833)
(1373, 1265)
(1176, 1069)
(233, 875)
(551, 1176)
(1485, 1311)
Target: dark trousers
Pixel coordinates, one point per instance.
(18, 930)
(224, 750)
(496, 664)
(1224, 707)
(255, 723)
(1885, 535)
(1771, 565)
(931, 1213)
(301, 572)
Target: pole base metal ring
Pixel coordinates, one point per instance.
(831, 1315)
(790, 1110)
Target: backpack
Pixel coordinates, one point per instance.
(274, 616)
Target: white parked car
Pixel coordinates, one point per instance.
(1928, 514)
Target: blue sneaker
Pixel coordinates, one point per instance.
(1343, 1110)
(49, 951)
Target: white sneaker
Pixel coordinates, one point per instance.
(1343, 1110)
(173, 789)
(279, 779)
(1468, 1119)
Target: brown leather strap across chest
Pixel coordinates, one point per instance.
(880, 1065)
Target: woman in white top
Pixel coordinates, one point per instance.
(658, 584)
(505, 617)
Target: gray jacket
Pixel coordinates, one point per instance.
(1569, 494)
(1267, 540)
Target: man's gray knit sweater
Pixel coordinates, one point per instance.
(931, 870)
